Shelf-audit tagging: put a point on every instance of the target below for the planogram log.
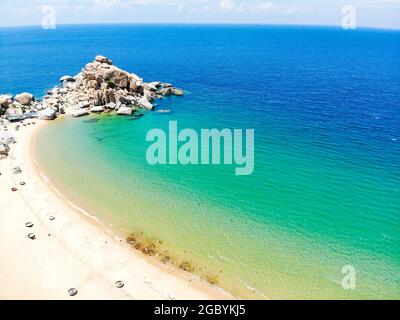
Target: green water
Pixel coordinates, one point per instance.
(284, 232)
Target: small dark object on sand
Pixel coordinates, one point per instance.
(72, 292)
(32, 236)
(14, 189)
(29, 224)
(119, 284)
(22, 183)
(51, 218)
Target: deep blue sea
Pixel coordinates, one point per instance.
(325, 106)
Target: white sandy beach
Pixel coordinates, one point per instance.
(72, 251)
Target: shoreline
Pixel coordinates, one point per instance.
(75, 250)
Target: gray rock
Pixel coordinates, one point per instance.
(111, 105)
(150, 87)
(177, 92)
(103, 59)
(166, 92)
(6, 138)
(79, 113)
(144, 103)
(125, 111)
(127, 100)
(24, 98)
(16, 170)
(97, 109)
(47, 114)
(6, 100)
(67, 79)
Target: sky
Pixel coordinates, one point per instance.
(368, 13)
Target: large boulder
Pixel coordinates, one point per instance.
(79, 113)
(97, 109)
(6, 100)
(150, 86)
(127, 100)
(136, 86)
(166, 91)
(125, 111)
(150, 95)
(67, 79)
(84, 104)
(111, 105)
(47, 114)
(144, 103)
(24, 98)
(103, 59)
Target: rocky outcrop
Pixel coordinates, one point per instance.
(99, 87)
(24, 98)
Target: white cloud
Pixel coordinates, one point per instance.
(267, 7)
(180, 7)
(379, 13)
(105, 5)
(230, 6)
(226, 5)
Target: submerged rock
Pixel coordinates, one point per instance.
(178, 92)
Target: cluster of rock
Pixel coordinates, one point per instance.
(18, 105)
(5, 141)
(99, 87)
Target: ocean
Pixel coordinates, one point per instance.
(324, 195)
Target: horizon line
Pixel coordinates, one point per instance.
(206, 23)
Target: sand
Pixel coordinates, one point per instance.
(73, 250)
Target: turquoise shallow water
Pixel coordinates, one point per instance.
(286, 234)
(324, 104)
